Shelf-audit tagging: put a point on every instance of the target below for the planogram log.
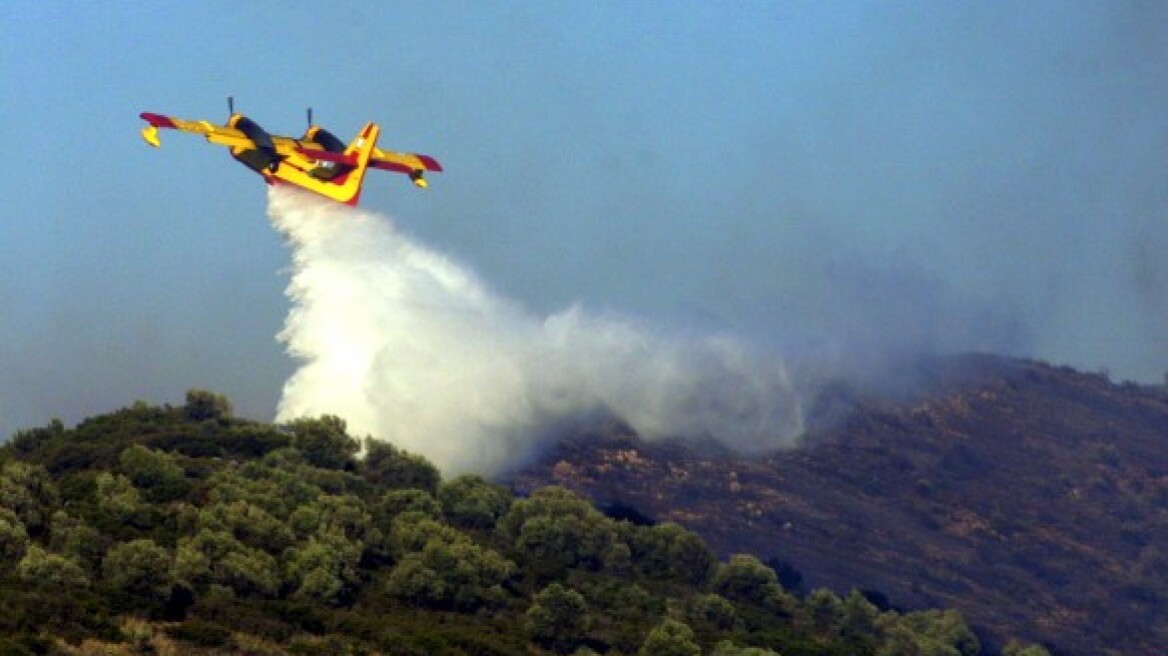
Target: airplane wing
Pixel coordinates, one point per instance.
(233, 137)
(217, 134)
(403, 162)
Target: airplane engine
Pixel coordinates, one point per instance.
(326, 139)
(326, 170)
(264, 155)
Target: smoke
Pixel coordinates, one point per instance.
(410, 346)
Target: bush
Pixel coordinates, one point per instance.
(23, 645)
(388, 467)
(203, 405)
(470, 502)
(669, 552)
(201, 633)
(39, 567)
(670, 638)
(746, 579)
(558, 618)
(324, 442)
(155, 472)
(139, 567)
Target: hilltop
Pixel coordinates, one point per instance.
(1028, 496)
(185, 530)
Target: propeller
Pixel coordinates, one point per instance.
(231, 104)
(309, 117)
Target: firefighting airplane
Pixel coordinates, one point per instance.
(318, 161)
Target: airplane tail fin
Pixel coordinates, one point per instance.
(365, 141)
(361, 149)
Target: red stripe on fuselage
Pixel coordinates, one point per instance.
(326, 156)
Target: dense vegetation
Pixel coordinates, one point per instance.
(185, 530)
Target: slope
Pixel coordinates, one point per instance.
(159, 529)
(1030, 497)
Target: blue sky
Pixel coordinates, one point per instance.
(845, 178)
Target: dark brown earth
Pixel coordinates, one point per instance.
(1032, 498)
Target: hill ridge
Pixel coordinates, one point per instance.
(1029, 496)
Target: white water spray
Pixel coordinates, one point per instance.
(411, 347)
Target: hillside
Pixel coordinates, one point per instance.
(1030, 497)
(184, 530)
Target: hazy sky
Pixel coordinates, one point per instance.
(824, 178)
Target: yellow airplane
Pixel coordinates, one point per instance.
(318, 161)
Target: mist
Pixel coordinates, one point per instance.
(410, 346)
(853, 181)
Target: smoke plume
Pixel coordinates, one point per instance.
(410, 346)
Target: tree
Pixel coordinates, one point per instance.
(388, 467)
(345, 514)
(470, 502)
(934, 632)
(558, 529)
(558, 618)
(203, 405)
(155, 472)
(670, 638)
(253, 440)
(324, 566)
(252, 525)
(324, 441)
(40, 567)
(899, 640)
(190, 566)
(746, 579)
(25, 442)
(823, 609)
(140, 567)
(249, 572)
(550, 501)
(216, 557)
(13, 538)
(28, 491)
(396, 502)
(118, 499)
(857, 623)
(669, 552)
(556, 542)
(626, 604)
(415, 583)
(713, 613)
(451, 572)
(411, 531)
(76, 540)
(276, 484)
